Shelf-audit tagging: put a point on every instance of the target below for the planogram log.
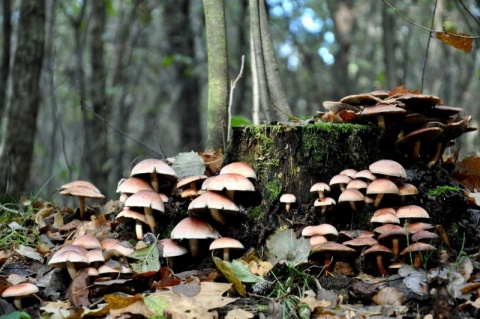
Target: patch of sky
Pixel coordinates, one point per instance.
(310, 22)
(326, 56)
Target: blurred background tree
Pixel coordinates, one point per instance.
(127, 79)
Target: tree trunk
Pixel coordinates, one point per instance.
(17, 152)
(5, 66)
(218, 81)
(96, 146)
(388, 37)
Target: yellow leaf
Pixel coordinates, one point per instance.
(456, 40)
(230, 276)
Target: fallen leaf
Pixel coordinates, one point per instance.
(213, 161)
(41, 214)
(136, 308)
(225, 269)
(167, 278)
(148, 259)
(189, 164)
(312, 303)
(284, 245)
(188, 289)
(116, 302)
(29, 252)
(238, 313)
(456, 40)
(156, 303)
(59, 310)
(77, 293)
(242, 271)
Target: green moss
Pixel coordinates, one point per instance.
(257, 212)
(439, 190)
(274, 189)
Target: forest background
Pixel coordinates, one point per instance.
(121, 80)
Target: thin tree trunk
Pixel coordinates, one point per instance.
(218, 81)
(17, 153)
(4, 68)
(388, 37)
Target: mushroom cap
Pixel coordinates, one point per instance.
(388, 168)
(326, 201)
(60, 259)
(357, 184)
(185, 182)
(384, 216)
(192, 228)
(381, 110)
(87, 241)
(129, 213)
(168, 247)
(360, 99)
(378, 249)
(351, 195)
(361, 241)
(406, 189)
(110, 267)
(240, 168)
(319, 187)
(382, 186)
(212, 200)
(365, 175)
(331, 246)
(288, 198)
(19, 290)
(389, 228)
(146, 198)
(322, 229)
(350, 172)
(339, 179)
(153, 165)
(189, 193)
(79, 183)
(418, 226)
(82, 191)
(226, 242)
(424, 235)
(115, 248)
(317, 240)
(228, 181)
(132, 185)
(357, 233)
(417, 247)
(95, 255)
(412, 211)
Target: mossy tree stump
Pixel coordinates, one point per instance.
(290, 159)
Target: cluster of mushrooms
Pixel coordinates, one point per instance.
(422, 125)
(400, 232)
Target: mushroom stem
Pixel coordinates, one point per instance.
(436, 156)
(138, 229)
(378, 199)
(193, 244)
(328, 262)
(353, 206)
(380, 266)
(150, 218)
(417, 260)
(287, 207)
(416, 149)
(154, 181)
(71, 269)
(226, 254)
(320, 194)
(324, 209)
(170, 262)
(17, 301)
(395, 244)
(381, 122)
(81, 202)
(230, 194)
(218, 216)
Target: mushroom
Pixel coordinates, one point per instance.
(379, 251)
(226, 243)
(169, 248)
(214, 203)
(380, 111)
(139, 218)
(351, 196)
(240, 168)
(192, 182)
(149, 200)
(155, 168)
(230, 182)
(69, 257)
(81, 190)
(20, 291)
(365, 175)
(406, 189)
(324, 203)
(129, 186)
(380, 187)
(350, 172)
(87, 241)
(388, 169)
(412, 211)
(395, 234)
(193, 229)
(417, 249)
(320, 188)
(385, 215)
(327, 230)
(288, 199)
(359, 184)
(115, 248)
(328, 249)
(340, 181)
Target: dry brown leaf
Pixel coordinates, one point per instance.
(310, 300)
(238, 313)
(116, 302)
(389, 296)
(399, 90)
(188, 308)
(188, 289)
(77, 293)
(456, 40)
(136, 308)
(259, 268)
(60, 310)
(41, 214)
(29, 252)
(213, 161)
(15, 279)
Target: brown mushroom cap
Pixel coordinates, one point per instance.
(357, 184)
(412, 211)
(146, 198)
(326, 230)
(356, 233)
(418, 226)
(380, 187)
(153, 165)
(170, 248)
(18, 291)
(87, 241)
(324, 203)
(384, 216)
(230, 182)
(139, 218)
(360, 99)
(191, 181)
(193, 229)
(95, 256)
(389, 168)
(213, 202)
(361, 241)
(226, 243)
(351, 195)
(416, 249)
(132, 185)
(340, 181)
(407, 189)
(240, 168)
(424, 235)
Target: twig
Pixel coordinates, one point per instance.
(428, 46)
(429, 29)
(230, 98)
(466, 9)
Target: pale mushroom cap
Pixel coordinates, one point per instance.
(189, 193)
(340, 179)
(129, 213)
(412, 211)
(288, 198)
(424, 235)
(185, 182)
(317, 240)
(417, 247)
(365, 174)
(107, 243)
(111, 266)
(240, 168)
(132, 185)
(192, 228)
(406, 189)
(170, 248)
(388, 168)
(326, 201)
(61, 257)
(389, 228)
(385, 215)
(350, 172)
(357, 184)
(114, 248)
(212, 200)
(82, 191)
(378, 249)
(153, 165)
(79, 183)
(382, 186)
(319, 187)
(95, 255)
(351, 195)
(146, 198)
(87, 241)
(228, 181)
(322, 229)
(226, 242)
(19, 290)
(331, 246)
(361, 241)
(418, 226)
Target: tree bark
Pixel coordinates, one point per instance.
(388, 37)
(17, 152)
(96, 146)
(218, 81)
(5, 66)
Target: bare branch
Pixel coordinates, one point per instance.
(230, 98)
